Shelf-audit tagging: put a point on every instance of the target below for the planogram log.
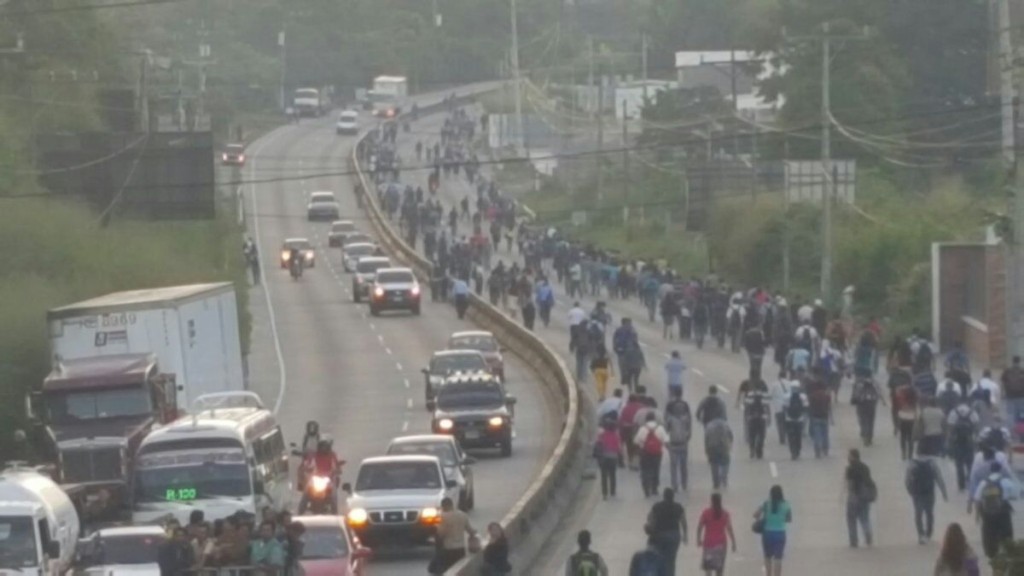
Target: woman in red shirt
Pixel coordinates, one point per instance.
(714, 532)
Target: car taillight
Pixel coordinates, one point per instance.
(224, 157)
(241, 158)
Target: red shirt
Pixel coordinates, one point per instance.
(714, 528)
(325, 464)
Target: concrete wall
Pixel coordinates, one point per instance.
(956, 272)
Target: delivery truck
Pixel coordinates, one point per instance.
(192, 330)
(39, 526)
(388, 95)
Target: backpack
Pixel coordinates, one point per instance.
(713, 409)
(646, 563)
(795, 409)
(991, 503)
(620, 341)
(806, 341)
(586, 564)
(996, 439)
(866, 393)
(678, 426)
(652, 444)
(924, 357)
(756, 409)
(922, 478)
(963, 430)
(949, 399)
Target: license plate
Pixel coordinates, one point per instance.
(472, 434)
(396, 297)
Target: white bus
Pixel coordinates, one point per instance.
(388, 95)
(227, 456)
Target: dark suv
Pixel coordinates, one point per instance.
(476, 410)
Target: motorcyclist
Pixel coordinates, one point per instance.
(325, 461)
(312, 438)
(295, 259)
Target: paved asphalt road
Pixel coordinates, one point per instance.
(818, 534)
(355, 374)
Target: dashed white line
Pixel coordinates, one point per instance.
(388, 350)
(698, 372)
(408, 402)
(407, 385)
(381, 339)
(374, 327)
(773, 469)
(405, 426)
(399, 366)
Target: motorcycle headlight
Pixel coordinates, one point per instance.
(496, 422)
(357, 517)
(445, 424)
(321, 484)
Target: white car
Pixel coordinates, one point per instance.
(453, 459)
(365, 271)
(348, 122)
(352, 253)
(121, 551)
(397, 499)
(322, 206)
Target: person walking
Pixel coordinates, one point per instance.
(608, 452)
(962, 425)
(714, 532)
(922, 476)
(819, 411)
(450, 537)
(1013, 391)
(756, 418)
(796, 416)
(647, 562)
(669, 311)
(956, 557)
(991, 501)
(585, 562)
(865, 398)
(718, 441)
(905, 405)
(755, 345)
(623, 339)
(860, 492)
(650, 439)
(679, 425)
(496, 552)
(930, 428)
(773, 517)
(666, 524)
(601, 368)
(711, 408)
(778, 391)
(674, 369)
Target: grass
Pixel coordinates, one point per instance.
(55, 254)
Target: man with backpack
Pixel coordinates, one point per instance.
(795, 414)
(865, 398)
(755, 414)
(922, 476)
(585, 562)
(962, 425)
(718, 440)
(755, 343)
(992, 502)
(623, 340)
(666, 526)
(651, 439)
(648, 562)
(712, 407)
(1013, 391)
(628, 428)
(807, 338)
(679, 425)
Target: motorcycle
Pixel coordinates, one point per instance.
(295, 267)
(319, 496)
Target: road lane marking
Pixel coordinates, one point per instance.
(283, 371)
(405, 426)
(698, 372)
(381, 339)
(399, 366)
(773, 469)
(388, 350)
(374, 327)
(407, 385)
(408, 403)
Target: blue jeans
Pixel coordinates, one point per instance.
(858, 512)
(924, 514)
(1013, 407)
(677, 466)
(668, 545)
(818, 429)
(719, 469)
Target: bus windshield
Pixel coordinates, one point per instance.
(186, 475)
(17, 543)
(67, 407)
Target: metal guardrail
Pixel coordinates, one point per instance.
(534, 516)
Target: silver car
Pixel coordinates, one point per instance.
(395, 289)
(322, 206)
(352, 253)
(365, 271)
(455, 462)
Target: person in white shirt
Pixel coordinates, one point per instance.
(650, 453)
(804, 314)
(986, 383)
(778, 391)
(611, 405)
(576, 321)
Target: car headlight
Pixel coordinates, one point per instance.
(496, 422)
(309, 255)
(445, 424)
(430, 515)
(378, 292)
(357, 517)
(415, 290)
(284, 256)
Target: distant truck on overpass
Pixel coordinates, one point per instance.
(388, 95)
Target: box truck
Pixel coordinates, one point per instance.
(388, 95)
(39, 526)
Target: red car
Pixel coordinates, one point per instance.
(329, 549)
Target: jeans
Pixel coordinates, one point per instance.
(650, 472)
(609, 467)
(581, 366)
(755, 364)
(906, 430)
(866, 419)
(1014, 410)
(963, 459)
(667, 544)
(677, 465)
(795, 438)
(818, 429)
(924, 514)
(719, 469)
(780, 425)
(858, 511)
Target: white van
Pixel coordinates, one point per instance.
(227, 456)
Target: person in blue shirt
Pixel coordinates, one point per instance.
(267, 551)
(545, 298)
(674, 369)
(460, 292)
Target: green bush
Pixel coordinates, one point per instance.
(55, 253)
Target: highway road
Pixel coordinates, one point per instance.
(818, 534)
(322, 357)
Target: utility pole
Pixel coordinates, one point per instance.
(643, 61)
(828, 181)
(1005, 64)
(516, 79)
(625, 167)
(599, 158)
(1011, 157)
(282, 41)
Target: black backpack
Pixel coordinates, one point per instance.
(924, 357)
(922, 478)
(795, 410)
